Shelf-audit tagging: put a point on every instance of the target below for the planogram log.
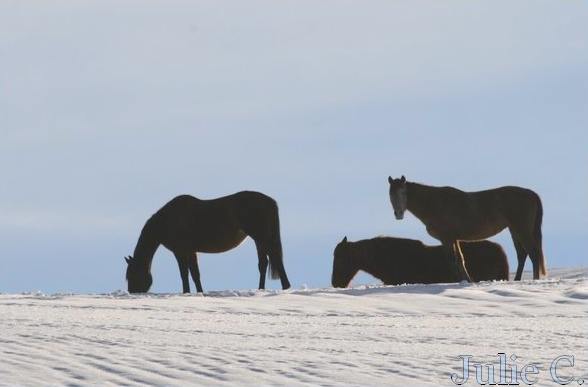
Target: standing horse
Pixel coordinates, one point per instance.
(398, 261)
(451, 216)
(187, 225)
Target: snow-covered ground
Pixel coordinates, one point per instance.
(373, 335)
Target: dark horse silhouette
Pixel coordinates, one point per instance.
(187, 225)
(398, 261)
(451, 216)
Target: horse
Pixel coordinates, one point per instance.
(397, 261)
(187, 225)
(451, 216)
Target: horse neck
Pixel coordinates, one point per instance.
(419, 199)
(362, 258)
(147, 244)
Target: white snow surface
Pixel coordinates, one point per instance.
(367, 335)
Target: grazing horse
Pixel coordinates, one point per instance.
(451, 216)
(187, 225)
(398, 261)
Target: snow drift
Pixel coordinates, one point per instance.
(367, 335)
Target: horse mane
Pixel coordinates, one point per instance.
(148, 241)
(403, 241)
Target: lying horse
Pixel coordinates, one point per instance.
(451, 216)
(187, 225)
(398, 261)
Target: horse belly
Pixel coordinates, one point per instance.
(220, 243)
(481, 227)
(435, 232)
(470, 228)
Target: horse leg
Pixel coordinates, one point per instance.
(283, 276)
(533, 247)
(267, 231)
(183, 265)
(532, 244)
(262, 265)
(195, 272)
(521, 256)
(275, 259)
(462, 272)
(536, 256)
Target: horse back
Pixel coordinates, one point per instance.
(190, 224)
(481, 214)
(502, 198)
(398, 260)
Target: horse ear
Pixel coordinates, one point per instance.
(344, 239)
(128, 259)
(390, 180)
(403, 179)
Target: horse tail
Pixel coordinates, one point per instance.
(275, 248)
(539, 237)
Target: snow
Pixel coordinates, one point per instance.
(367, 335)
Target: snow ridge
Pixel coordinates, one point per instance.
(367, 335)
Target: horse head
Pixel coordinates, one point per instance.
(343, 268)
(139, 278)
(398, 196)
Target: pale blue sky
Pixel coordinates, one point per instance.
(110, 108)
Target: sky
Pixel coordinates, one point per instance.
(108, 109)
